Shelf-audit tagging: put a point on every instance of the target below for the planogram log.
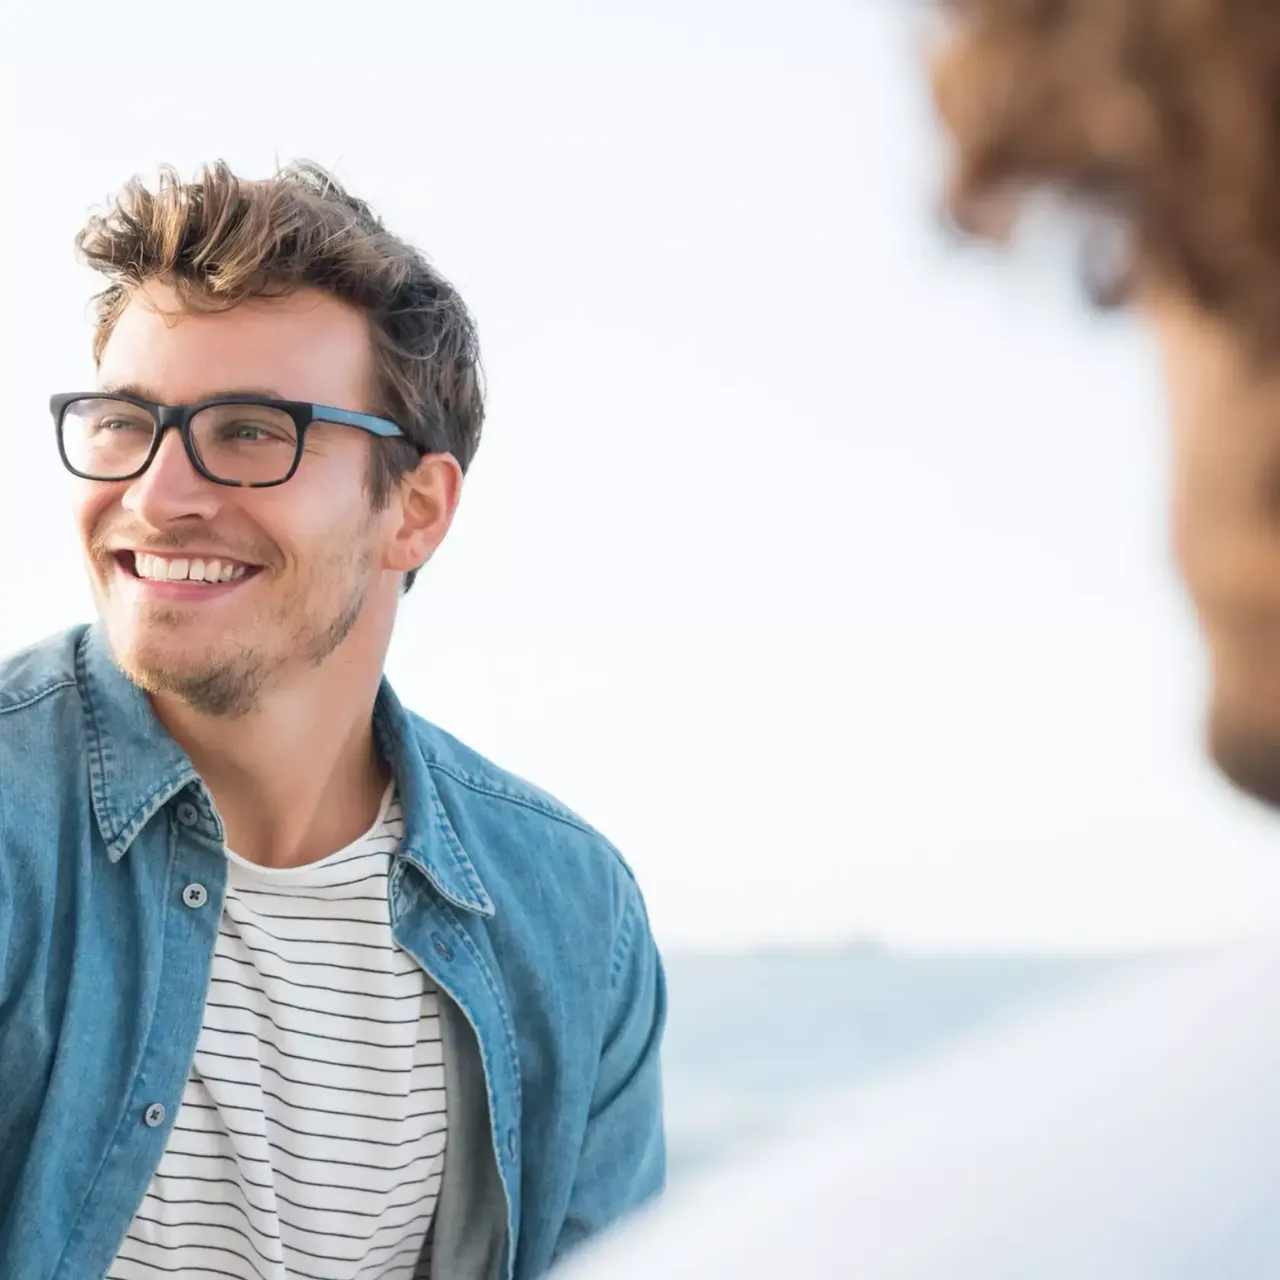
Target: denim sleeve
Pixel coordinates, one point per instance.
(623, 1160)
(6, 927)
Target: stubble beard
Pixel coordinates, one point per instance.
(231, 678)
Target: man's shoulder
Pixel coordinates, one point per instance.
(42, 746)
(32, 675)
(449, 758)
(493, 804)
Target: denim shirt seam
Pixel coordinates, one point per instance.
(38, 695)
(508, 1030)
(99, 748)
(526, 801)
(626, 937)
(448, 915)
(115, 826)
(480, 903)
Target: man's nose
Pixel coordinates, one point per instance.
(171, 489)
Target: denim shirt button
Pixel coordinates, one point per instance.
(188, 814)
(513, 1143)
(154, 1115)
(443, 949)
(195, 895)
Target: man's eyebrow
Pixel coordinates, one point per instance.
(142, 392)
(127, 389)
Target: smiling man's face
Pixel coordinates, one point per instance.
(284, 572)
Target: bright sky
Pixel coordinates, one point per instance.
(819, 564)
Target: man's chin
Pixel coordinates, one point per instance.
(146, 658)
(1248, 754)
(213, 684)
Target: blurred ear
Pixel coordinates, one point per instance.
(423, 509)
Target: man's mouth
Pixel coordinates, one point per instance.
(213, 570)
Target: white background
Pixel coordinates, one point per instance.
(820, 563)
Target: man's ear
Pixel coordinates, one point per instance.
(425, 501)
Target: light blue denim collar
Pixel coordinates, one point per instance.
(135, 768)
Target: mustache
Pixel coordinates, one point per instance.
(105, 542)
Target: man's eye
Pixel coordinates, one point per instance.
(249, 432)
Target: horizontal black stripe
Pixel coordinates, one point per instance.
(277, 1149)
(295, 1274)
(188, 1269)
(155, 1197)
(329, 1185)
(242, 889)
(432, 1037)
(311, 942)
(209, 1032)
(428, 1192)
(185, 1270)
(420, 1255)
(257, 1111)
(315, 1084)
(225, 1127)
(224, 1105)
(293, 1270)
(218, 1226)
(208, 1248)
(323, 918)
(301, 1057)
(392, 838)
(350, 1017)
(429, 987)
(373, 1248)
(337, 884)
(319, 1062)
(325, 964)
(205, 1224)
(303, 1008)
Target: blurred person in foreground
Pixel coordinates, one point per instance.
(1136, 1133)
(292, 983)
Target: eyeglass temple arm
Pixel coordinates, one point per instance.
(349, 418)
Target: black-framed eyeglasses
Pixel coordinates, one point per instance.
(246, 441)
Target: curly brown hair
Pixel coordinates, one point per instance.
(1163, 115)
(221, 239)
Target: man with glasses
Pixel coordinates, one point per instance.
(291, 982)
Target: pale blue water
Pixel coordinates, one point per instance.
(751, 1034)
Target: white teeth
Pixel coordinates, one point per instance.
(159, 569)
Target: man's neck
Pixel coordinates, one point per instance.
(299, 777)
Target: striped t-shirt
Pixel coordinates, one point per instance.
(311, 1136)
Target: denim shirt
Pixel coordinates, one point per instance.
(527, 920)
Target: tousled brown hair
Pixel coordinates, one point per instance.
(1163, 115)
(221, 239)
